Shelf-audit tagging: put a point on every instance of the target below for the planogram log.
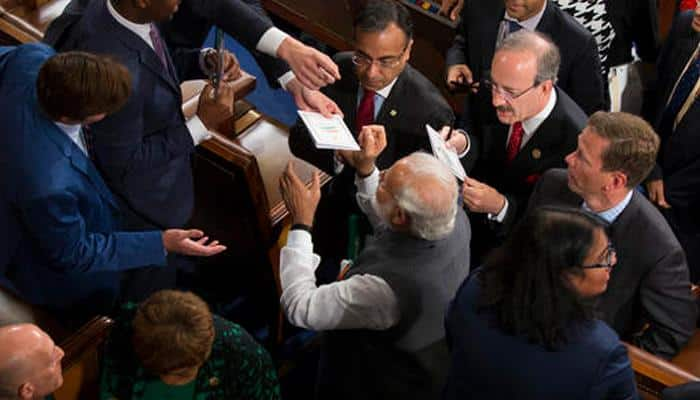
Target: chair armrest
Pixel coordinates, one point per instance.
(89, 337)
(653, 374)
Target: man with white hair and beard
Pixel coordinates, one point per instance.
(384, 317)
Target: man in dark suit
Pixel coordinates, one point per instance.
(68, 251)
(675, 184)
(144, 150)
(485, 23)
(247, 22)
(649, 284)
(538, 125)
(378, 87)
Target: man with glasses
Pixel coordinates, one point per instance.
(648, 301)
(484, 22)
(537, 127)
(378, 86)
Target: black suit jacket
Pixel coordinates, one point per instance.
(679, 156)
(244, 20)
(553, 140)
(636, 23)
(142, 150)
(580, 73)
(413, 102)
(649, 283)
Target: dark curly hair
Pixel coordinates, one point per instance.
(524, 282)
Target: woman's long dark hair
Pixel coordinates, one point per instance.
(525, 282)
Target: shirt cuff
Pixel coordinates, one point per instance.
(270, 41)
(368, 185)
(202, 60)
(338, 165)
(469, 143)
(286, 78)
(501, 214)
(300, 240)
(198, 131)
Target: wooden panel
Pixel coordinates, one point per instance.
(33, 18)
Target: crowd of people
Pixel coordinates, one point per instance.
(576, 227)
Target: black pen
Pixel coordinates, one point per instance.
(452, 127)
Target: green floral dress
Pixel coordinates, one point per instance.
(238, 368)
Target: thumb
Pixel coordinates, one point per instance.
(194, 233)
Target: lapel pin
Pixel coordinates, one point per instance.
(213, 381)
(393, 113)
(536, 154)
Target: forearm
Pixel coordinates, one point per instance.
(366, 190)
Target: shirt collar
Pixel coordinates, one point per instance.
(384, 92)
(530, 23)
(611, 214)
(531, 124)
(73, 132)
(141, 30)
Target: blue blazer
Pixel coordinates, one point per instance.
(489, 364)
(65, 251)
(143, 150)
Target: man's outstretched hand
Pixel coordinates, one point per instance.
(190, 242)
(301, 201)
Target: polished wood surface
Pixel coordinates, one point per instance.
(26, 21)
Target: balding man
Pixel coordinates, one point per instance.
(384, 316)
(537, 127)
(30, 363)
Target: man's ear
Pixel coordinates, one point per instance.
(409, 47)
(619, 180)
(26, 391)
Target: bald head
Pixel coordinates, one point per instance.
(30, 362)
(424, 192)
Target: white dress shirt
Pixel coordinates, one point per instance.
(360, 302)
(530, 126)
(73, 132)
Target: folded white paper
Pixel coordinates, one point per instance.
(329, 133)
(442, 153)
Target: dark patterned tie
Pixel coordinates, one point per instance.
(513, 26)
(683, 89)
(516, 139)
(158, 46)
(365, 112)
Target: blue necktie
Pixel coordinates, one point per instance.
(513, 26)
(683, 89)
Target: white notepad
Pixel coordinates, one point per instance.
(329, 133)
(447, 156)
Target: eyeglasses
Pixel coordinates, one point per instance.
(361, 60)
(509, 96)
(610, 254)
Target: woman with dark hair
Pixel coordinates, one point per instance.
(522, 327)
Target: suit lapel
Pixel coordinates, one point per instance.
(545, 24)
(147, 56)
(686, 48)
(79, 161)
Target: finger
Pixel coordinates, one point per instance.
(444, 132)
(301, 103)
(313, 76)
(328, 66)
(194, 233)
(334, 109)
(316, 182)
(293, 177)
(206, 92)
(652, 195)
(202, 240)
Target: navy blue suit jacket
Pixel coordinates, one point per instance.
(65, 251)
(144, 149)
(486, 363)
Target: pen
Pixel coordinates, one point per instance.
(452, 127)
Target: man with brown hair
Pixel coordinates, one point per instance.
(172, 335)
(648, 300)
(65, 250)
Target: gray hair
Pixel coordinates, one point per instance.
(546, 52)
(428, 196)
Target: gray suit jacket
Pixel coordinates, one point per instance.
(650, 282)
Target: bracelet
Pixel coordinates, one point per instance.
(302, 227)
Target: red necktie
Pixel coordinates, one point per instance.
(516, 138)
(365, 112)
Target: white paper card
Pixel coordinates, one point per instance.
(329, 133)
(442, 153)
